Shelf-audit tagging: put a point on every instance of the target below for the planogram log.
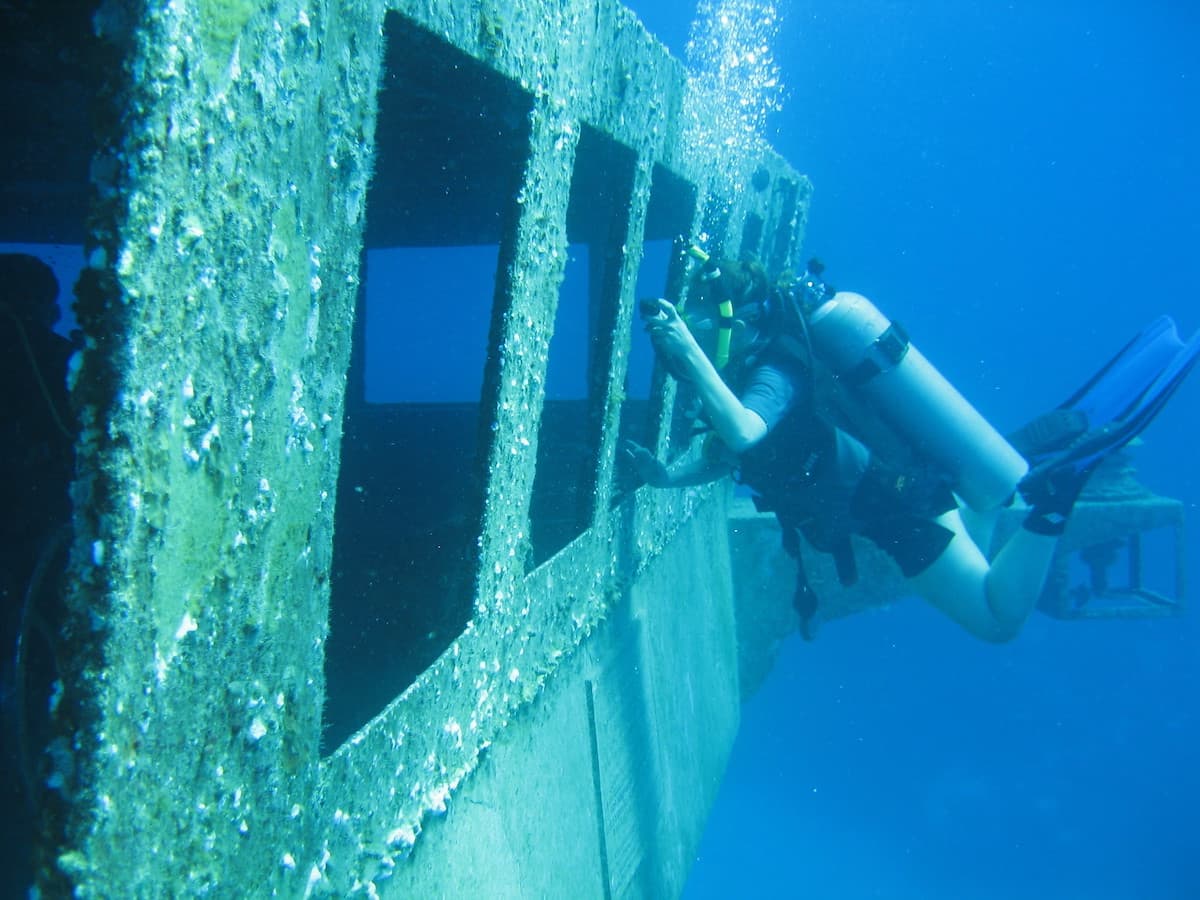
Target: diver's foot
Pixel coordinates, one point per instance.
(1051, 492)
(1049, 433)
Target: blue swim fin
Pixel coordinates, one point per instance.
(1109, 411)
(1112, 395)
(1135, 409)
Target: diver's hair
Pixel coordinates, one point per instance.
(742, 281)
(787, 281)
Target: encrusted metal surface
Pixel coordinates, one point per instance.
(230, 185)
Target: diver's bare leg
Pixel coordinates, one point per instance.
(990, 601)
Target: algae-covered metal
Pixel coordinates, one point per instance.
(230, 191)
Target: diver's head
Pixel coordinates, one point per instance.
(729, 309)
(30, 289)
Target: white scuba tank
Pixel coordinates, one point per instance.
(874, 357)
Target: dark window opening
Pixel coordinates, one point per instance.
(452, 143)
(787, 196)
(564, 488)
(686, 422)
(668, 224)
(652, 282)
(752, 237)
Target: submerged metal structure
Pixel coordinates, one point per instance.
(569, 739)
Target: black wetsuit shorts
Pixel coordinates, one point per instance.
(897, 511)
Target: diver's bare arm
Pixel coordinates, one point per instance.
(696, 471)
(684, 473)
(738, 427)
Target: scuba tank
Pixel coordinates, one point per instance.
(874, 357)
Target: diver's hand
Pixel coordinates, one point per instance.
(649, 469)
(670, 335)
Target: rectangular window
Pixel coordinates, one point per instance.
(452, 143)
(564, 488)
(668, 225)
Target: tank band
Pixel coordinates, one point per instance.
(885, 353)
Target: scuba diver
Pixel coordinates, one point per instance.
(37, 434)
(836, 423)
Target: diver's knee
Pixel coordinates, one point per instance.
(1004, 627)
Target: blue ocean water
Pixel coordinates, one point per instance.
(1015, 181)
